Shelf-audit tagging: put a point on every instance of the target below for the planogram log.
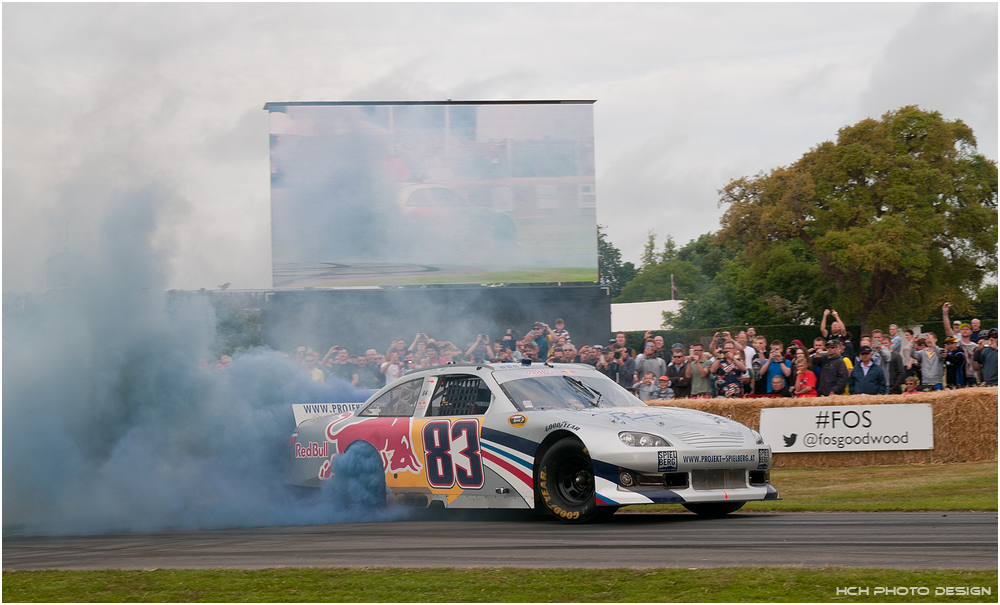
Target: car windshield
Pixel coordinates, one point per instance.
(567, 392)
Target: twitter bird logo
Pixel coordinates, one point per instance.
(789, 441)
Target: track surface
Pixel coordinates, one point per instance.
(481, 538)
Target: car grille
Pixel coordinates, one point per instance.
(719, 478)
(698, 439)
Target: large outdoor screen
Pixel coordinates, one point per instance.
(373, 194)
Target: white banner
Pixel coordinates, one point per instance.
(848, 428)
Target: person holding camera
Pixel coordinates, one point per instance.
(480, 350)
(728, 370)
(775, 365)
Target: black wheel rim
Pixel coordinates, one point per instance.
(575, 481)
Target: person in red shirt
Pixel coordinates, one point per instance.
(805, 381)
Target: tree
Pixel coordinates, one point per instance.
(654, 283)
(611, 271)
(649, 258)
(669, 249)
(896, 216)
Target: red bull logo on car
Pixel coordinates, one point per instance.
(390, 436)
(313, 450)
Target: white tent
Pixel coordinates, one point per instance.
(641, 316)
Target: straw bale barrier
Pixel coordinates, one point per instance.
(965, 426)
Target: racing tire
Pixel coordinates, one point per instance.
(358, 481)
(713, 509)
(566, 483)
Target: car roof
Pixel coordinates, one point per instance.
(497, 367)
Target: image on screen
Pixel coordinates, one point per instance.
(377, 194)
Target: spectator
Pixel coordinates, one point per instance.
(954, 363)
(701, 364)
(343, 369)
(663, 391)
(560, 331)
(658, 345)
(775, 365)
(910, 386)
(626, 366)
(837, 328)
(530, 350)
(646, 388)
(833, 375)
(778, 386)
(867, 378)
(930, 359)
(539, 335)
(419, 347)
(432, 356)
(746, 345)
(907, 346)
(392, 368)
(312, 366)
(759, 357)
(409, 361)
(649, 362)
(399, 346)
(569, 353)
(897, 342)
(556, 355)
(728, 369)
(986, 356)
(679, 372)
(507, 340)
(896, 374)
(366, 380)
(975, 336)
(620, 340)
(480, 350)
(805, 380)
(965, 342)
(369, 374)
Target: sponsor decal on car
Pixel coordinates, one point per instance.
(561, 425)
(517, 420)
(313, 450)
(666, 461)
(763, 458)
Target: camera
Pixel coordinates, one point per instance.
(618, 355)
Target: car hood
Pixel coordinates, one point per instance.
(680, 426)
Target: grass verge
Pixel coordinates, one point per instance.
(970, 486)
(379, 585)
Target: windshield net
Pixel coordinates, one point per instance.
(567, 392)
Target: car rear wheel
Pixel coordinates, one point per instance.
(713, 509)
(566, 483)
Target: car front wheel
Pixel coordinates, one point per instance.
(566, 483)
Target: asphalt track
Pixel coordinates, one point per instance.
(493, 538)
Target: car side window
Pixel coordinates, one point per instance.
(397, 402)
(460, 395)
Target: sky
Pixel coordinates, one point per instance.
(100, 100)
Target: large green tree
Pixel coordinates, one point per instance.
(611, 271)
(895, 217)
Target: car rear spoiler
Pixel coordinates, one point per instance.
(308, 411)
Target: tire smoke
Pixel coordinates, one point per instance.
(113, 423)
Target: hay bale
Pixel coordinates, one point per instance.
(965, 426)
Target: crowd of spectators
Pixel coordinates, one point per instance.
(744, 365)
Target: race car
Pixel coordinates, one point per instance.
(562, 437)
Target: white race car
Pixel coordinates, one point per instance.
(563, 437)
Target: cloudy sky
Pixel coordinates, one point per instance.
(167, 98)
